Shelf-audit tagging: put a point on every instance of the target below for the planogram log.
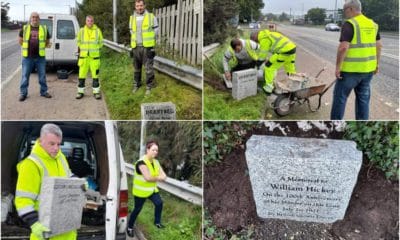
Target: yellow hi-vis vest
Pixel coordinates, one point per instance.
(90, 41)
(361, 55)
(142, 188)
(32, 170)
(42, 40)
(249, 51)
(148, 34)
(273, 42)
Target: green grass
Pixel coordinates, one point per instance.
(219, 104)
(182, 219)
(116, 76)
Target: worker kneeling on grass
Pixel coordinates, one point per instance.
(90, 40)
(283, 52)
(240, 55)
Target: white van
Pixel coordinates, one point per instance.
(93, 150)
(63, 29)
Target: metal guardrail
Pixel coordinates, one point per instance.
(180, 189)
(209, 50)
(184, 73)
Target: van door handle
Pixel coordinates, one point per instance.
(110, 198)
(57, 45)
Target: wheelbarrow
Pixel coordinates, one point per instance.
(294, 90)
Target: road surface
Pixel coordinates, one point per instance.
(321, 48)
(63, 105)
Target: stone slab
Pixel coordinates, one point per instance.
(302, 179)
(244, 84)
(61, 204)
(158, 111)
(228, 83)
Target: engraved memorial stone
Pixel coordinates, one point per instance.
(61, 203)
(158, 111)
(302, 179)
(244, 84)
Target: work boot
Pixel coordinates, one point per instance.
(268, 88)
(159, 225)
(79, 95)
(97, 96)
(46, 95)
(22, 98)
(135, 89)
(130, 232)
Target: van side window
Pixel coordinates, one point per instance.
(65, 29)
(49, 25)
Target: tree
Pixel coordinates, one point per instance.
(250, 10)
(5, 7)
(316, 15)
(102, 12)
(271, 17)
(384, 13)
(217, 14)
(179, 146)
(284, 17)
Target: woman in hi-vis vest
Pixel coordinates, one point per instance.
(148, 172)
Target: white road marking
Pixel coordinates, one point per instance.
(3, 84)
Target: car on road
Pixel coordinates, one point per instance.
(332, 27)
(63, 29)
(93, 151)
(254, 25)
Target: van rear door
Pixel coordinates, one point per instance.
(114, 180)
(65, 44)
(48, 20)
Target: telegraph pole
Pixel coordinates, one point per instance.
(335, 12)
(115, 38)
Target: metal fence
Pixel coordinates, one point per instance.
(181, 29)
(180, 189)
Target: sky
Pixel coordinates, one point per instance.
(297, 6)
(16, 11)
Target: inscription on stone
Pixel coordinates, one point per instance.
(158, 111)
(244, 84)
(302, 179)
(61, 204)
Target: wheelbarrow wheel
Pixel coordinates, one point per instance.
(283, 105)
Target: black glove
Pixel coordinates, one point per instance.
(131, 53)
(259, 63)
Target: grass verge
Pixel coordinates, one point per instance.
(219, 104)
(182, 220)
(116, 76)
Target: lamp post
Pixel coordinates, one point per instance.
(69, 9)
(24, 11)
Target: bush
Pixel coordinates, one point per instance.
(220, 138)
(380, 143)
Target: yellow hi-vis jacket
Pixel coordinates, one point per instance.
(361, 55)
(142, 188)
(273, 42)
(31, 171)
(148, 33)
(90, 40)
(249, 50)
(42, 40)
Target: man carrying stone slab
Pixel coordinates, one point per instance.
(242, 55)
(45, 160)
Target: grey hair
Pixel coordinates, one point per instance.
(51, 128)
(356, 4)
